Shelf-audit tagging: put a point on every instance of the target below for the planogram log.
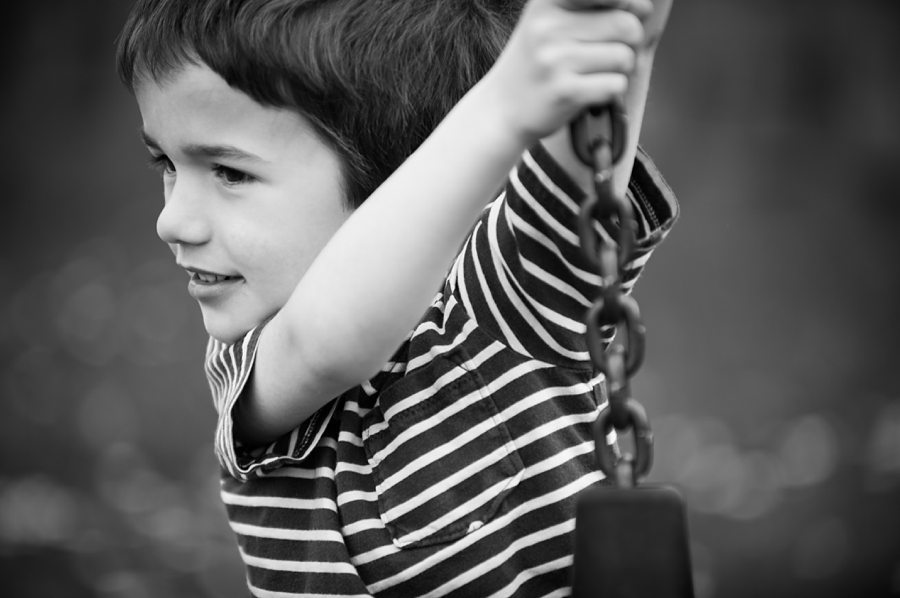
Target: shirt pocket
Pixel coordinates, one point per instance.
(442, 456)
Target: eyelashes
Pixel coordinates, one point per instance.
(232, 176)
(161, 164)
(228, 176)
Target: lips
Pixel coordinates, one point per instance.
(210, 278)
(206, 286)
(201, 276)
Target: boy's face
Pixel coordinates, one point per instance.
(252, 195)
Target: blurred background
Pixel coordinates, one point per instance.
(773, 366)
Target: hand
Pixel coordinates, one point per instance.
(563, 56)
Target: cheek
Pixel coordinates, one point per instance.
(302, 230)
(293, 255)
(275, 245)
(274, 260)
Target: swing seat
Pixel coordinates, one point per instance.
(631, 542)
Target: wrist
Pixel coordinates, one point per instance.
(498, 115)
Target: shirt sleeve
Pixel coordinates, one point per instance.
(228, 369)
(522, 274)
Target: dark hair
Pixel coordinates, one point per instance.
(374, 77)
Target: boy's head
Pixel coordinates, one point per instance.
(373, 77)
(272, 119)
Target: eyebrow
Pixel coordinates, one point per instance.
(228, 152)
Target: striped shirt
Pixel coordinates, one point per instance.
(454, 470)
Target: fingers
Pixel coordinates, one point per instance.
(565, 55)
(591, 43)
(640, 8)
(599, 88)
(607, 26)
(605, 57)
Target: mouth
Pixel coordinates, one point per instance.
(200, 277)
(208, 286)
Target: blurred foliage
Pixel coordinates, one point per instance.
(772, 372)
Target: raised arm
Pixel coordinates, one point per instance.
(373, 280)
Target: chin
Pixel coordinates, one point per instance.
(224, 332)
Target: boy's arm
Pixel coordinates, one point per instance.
(523, 275)
(371, 283)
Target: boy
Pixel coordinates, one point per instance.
(378, 438)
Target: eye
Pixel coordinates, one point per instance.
(232, 176)
(161, 164)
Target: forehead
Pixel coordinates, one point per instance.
(194, 105)
(189, 87)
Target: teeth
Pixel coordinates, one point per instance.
(209, 278)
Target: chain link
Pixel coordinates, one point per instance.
(598, 139)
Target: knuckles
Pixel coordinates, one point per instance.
(548, 59)
(625, 57)
(616, 26)
(626, 27)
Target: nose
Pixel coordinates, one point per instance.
(184, 218)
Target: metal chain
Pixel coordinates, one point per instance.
(598, 139)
